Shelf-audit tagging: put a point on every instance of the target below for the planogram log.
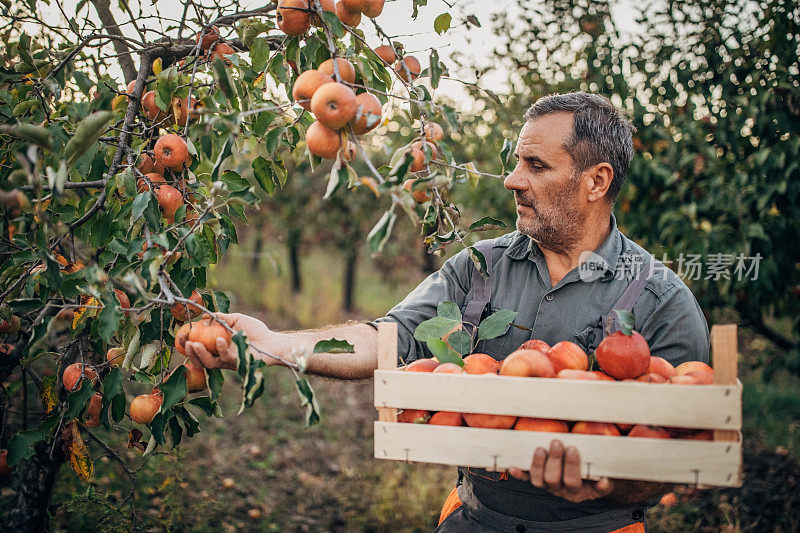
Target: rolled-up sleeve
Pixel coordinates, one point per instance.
(449, 284)
(676, 328)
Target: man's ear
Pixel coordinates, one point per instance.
(599, 178)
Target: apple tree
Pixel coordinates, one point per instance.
(132, 142)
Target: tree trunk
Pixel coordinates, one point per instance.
(37, 477)
(258, 247)
(293, 242)
(350, 264)
(120, 46)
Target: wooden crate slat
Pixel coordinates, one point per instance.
(692, 406)
(387, 359)
(666, 460)
(725, 359)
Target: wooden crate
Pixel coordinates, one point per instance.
(715, 407)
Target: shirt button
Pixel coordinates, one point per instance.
(549, 297)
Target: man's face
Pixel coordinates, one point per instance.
(545, 184)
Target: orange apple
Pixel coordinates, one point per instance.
(567, 354)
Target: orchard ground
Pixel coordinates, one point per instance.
(262, 471)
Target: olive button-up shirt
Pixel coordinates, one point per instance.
(666, 313)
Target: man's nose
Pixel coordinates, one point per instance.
(514, 182)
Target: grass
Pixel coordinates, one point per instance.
(262, 471)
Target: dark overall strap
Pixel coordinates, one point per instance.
(481, 287)
(629, 297)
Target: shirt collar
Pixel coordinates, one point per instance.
(523, 247)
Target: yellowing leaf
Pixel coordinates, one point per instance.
(472, 174)
(85, 312)
(79, 458)
(48, 393)
(73, 267)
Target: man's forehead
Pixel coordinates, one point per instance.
(549, 132)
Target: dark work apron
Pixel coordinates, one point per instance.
(475, 516)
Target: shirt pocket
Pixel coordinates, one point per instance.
(590, 337)
(498, 347)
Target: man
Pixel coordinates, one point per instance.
(572, 156)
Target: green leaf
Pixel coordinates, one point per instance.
(118, 408)
(226, 151)
(479, 260)
(262, 170)
(222, 303)
(625, 321)
(112, 389)
(215, 381)
(176, 431)
(381, 231)
(337, 180)
(253, 29)
(189, 421)
(435, 69)
(449, 310)
(445, 354)
(158, 425)
(76, 400)
(253, 385)
(208, 405)
(505, 153)
(86, 134)
(31, 133)
(333, 22)
(273, 139)
(241, 343)
(20, 446)
(174, 388)
(145, 204)
(223, 80)
(110, 316)
(435, 328)
(234, 181)
(308, 399)
(333, 346)
(259, 53)
(487, 223)
(495, 325)
(460, 341)
(442, 23)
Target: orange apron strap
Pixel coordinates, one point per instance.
(451, 504)
(633, 528)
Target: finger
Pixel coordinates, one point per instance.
(228, 353)
(553, 468)
(200, 352)
(537, 467)
(603, 487)
(181, 336)
(191, 356)
(518, 473)
(229, 318)
(572, 468)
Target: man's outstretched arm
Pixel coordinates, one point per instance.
(288, 345)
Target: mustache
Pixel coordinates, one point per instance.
(530, 202)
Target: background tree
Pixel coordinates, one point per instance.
(713, 89)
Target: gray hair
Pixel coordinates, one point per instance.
(601, 133)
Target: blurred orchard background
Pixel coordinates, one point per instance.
(712, 87)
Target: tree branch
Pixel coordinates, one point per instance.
(111, 26)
